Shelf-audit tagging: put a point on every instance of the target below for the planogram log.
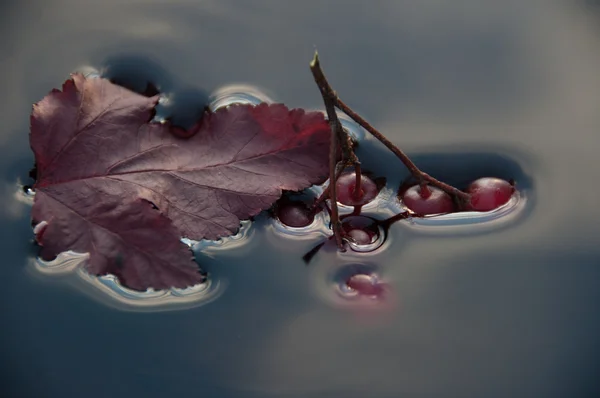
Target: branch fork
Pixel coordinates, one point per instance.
(339, 138)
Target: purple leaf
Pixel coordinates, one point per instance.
(100, 161)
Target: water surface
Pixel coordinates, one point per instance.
(510, 311)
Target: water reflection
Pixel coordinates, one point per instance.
(501, 314)
(108, 290)
(238, 94)
(18, 200)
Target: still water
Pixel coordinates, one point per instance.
(510, 309)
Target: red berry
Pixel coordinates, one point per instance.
(365, 284)
(362, 230)
(489, 193)
(428, 200)
(295, 214)
(346, 190)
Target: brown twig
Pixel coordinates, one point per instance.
(336, 225)
(335, 127)
(328, 92)
(349, 158)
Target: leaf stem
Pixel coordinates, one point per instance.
(328, 92)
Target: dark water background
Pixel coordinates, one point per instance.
(509, 312)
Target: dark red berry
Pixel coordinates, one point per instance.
(346, 190)
(295, 214)
(428, 200)
(489, 193)
(365, 284)
(361, 229)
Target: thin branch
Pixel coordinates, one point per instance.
(332, 96)
(335, 127)
(349, 158)
(336, 225)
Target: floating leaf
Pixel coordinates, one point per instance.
(102, 164)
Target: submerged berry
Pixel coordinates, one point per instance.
(365, 284)
(361, 230)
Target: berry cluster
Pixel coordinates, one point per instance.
(362, 233)
(339, 207)
(484, 194)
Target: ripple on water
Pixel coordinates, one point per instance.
(119, 296)
(318, 228)
(237, 94)
(71, 262)
(371, 234)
